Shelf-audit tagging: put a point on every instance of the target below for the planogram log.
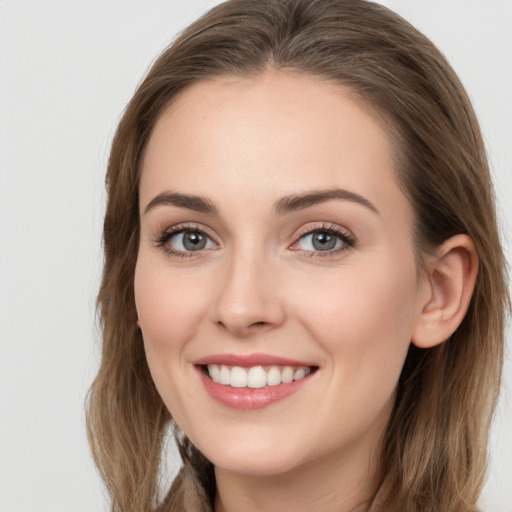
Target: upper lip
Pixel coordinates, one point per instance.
(250, 360)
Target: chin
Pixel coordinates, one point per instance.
(256, 459)
(262, 466)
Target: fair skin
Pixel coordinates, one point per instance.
(331, 283)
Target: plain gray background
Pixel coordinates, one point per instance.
(67, 69)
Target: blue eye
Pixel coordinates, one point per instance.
(190, 241)
(327, 240)
(180, 241)
(320, 241)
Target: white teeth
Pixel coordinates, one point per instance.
(214, 371)
(299, 374)
(256, 376)
(238, 377)
(287, 375)
(273, 376)
(225, 375)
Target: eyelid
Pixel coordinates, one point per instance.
(347, 239)
(163, 237)
(344, 235)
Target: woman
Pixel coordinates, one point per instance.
(303, 274)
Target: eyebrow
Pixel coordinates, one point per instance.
(284, 205)
(195, 203)
(300, 201)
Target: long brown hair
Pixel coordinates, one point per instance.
(434, 452)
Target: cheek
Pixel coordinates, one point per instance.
(365, 318)
(168, 304)
(169, 307)
(364, 326)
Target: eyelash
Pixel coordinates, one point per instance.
(346, 238)
(166, 235)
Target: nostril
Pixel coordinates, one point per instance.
(259, 326)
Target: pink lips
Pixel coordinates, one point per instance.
(250, 360)
(248, 398)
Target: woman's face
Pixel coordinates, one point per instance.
(275, 244)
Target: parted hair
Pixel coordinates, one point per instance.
(434, 452)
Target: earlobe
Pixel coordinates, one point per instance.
(451, 279)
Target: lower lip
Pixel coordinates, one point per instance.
(249, 398)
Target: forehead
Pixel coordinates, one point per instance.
(273, 134)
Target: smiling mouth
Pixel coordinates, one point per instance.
(256, 377)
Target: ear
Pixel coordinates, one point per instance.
(450, 282)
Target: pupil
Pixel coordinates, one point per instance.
(193, 241)
(324, 241)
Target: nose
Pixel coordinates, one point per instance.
(249, 296)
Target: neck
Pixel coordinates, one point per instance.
(337, 482)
